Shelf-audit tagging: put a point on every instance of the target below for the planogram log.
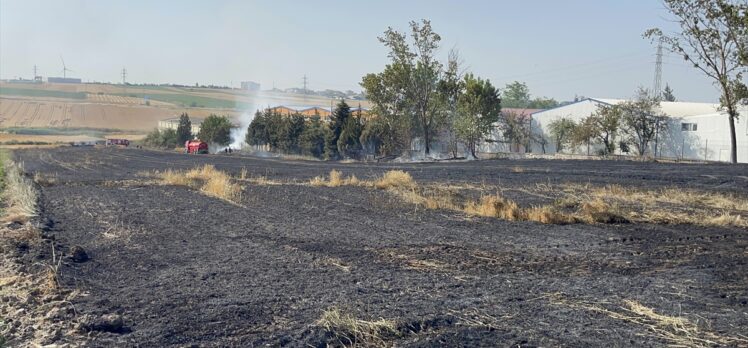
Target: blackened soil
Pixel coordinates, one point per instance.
(185, 269)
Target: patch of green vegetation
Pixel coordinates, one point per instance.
(41, 93)
(4, 156)
(193, 101)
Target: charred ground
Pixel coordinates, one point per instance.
(182, 268)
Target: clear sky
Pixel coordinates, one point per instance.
(560, 48)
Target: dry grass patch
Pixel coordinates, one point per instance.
(518, 169)
(494, 206)
(351, 331)
(678, 331)
(335, 179)
(18, 192)
(615, 203)
(207, 179)
(395, 179)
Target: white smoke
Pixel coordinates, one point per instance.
(238, 135)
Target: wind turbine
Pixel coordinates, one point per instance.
(64, 68)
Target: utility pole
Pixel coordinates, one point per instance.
(124, 76)
(305, 83)
(657, 88)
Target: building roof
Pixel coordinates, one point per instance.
(176, 119)
(673, 109)
(302, 108)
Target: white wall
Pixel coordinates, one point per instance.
(575, 112)
(711, 140)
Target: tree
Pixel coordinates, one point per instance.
(257, 133)
(450, 89)
(408, 86)
(478, 109)
(605, 124)
(713, 38)
(349, 143)
(667, 94)
(517, 95)
(561, 131)
(165, 139)
(339, 118)
(515, 128)
(642, 121)
(216, 130)
(290, 130)
(312, 139)
(184, 129)
(583, 133)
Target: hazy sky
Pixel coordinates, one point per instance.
(560, 48)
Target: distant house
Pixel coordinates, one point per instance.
(698, 131)
(173, 123)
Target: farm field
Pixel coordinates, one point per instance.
(123, 107)
(289, 263)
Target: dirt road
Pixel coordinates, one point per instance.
(183, 268)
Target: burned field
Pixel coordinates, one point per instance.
(287, 260)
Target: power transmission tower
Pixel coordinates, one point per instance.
(124, 76)
(305, 83)
(35, 71)
(657, 88)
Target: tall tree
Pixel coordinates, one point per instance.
(349, 143)
(667, 94)
(478, 109)
(338, 120)
(408, 87)
(642, 121)
(561, 132)
(713, 39)
(216, 130)
(515, 95)
(312, 139)
(184, 129)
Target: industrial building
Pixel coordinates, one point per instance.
(310, 111)
(696, 131)
(173, 123)
(251, 86)
(63, 80)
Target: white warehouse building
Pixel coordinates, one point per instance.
(697, 131)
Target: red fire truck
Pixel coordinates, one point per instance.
(195, 147)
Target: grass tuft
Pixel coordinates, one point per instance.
(395, 179)
(494, 206)
(350, 331)
(207, 179)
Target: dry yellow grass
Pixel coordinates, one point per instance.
(350, 331)
(18, 192)
(548, 215)
(661, 206)
(207, 179)
(395, 179)
(335, 179)
(494, 206)
(518, 169)
(678, 331)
